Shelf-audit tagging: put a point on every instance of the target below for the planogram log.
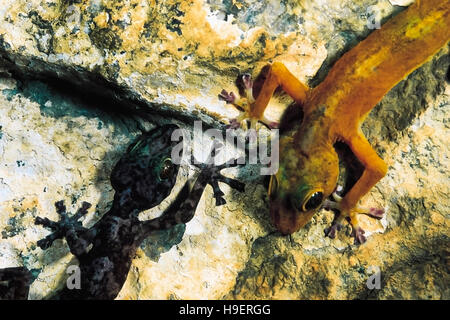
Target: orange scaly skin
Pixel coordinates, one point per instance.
(335, 110)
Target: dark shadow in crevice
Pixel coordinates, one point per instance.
(91, 89)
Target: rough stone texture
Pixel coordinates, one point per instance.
(172, 58)
(52, 148)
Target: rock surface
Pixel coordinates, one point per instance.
(169, 60)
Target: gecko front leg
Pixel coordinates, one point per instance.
(336, 226)
(182, 210)
(212, 171)
(241, 103)
(278, 76)
(375, 169)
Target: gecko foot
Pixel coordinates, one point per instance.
(358, 234)
(15, 283)
(61, 228)
(247, 81)
(216, 177)
(331, 231)
(376, 213)
(235, 123)
(337, 222)
(243, 104)
(228, 97)
(212, 171)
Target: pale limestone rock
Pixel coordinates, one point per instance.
(49, 154)
(60, 149)
(8, 256)
(401, 2)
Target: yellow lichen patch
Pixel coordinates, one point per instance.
(253, 35)
(13, 208)
(438, 219)
(46, 10)
(237, 4)
(197, 29)
(423, 133)
(138, 16)
(136, 40)
(301, 57)
(409, 188)
(102, 19)
(14, 9)
(353, 261)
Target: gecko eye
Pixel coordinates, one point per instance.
(313, 202)
(166, 169)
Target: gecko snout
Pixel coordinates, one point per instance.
(287, 220)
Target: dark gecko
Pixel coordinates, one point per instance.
(142, 179)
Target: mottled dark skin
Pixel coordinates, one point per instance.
(14, 283)
(142, 178)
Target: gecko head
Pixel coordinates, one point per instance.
(302, 183)
(146, 173)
